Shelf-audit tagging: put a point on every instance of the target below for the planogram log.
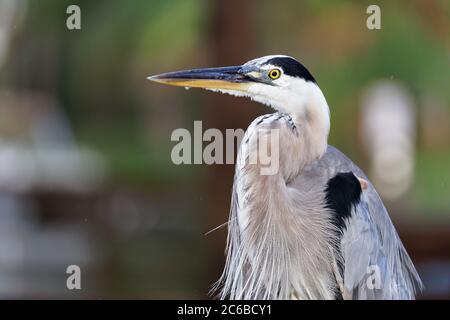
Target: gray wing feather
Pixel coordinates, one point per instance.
(376, 265)
(369, 239)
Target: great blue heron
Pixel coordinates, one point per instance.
(316, 228)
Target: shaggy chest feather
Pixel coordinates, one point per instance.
(281, 240)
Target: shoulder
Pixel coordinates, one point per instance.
(342, 193)
(333, 162)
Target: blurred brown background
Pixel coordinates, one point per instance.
(85, 171)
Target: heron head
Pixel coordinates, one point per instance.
(277, 81)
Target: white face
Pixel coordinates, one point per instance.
(280, 93)
(274, 88)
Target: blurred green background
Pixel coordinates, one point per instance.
(85, 171)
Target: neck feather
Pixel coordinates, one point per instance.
(312, 114)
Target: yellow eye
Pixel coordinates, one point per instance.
(274, 74)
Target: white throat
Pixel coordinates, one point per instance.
(314, 114)
(304, 102)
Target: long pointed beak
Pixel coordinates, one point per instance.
(228, 78)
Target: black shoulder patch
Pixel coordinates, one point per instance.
(292, 67)
(342, 193)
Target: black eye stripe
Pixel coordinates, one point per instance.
(292, 67)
